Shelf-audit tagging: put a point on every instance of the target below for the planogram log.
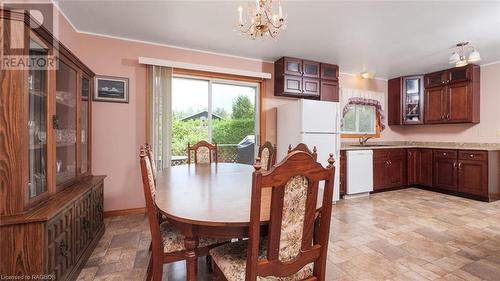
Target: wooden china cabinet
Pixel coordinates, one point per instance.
(51, 211)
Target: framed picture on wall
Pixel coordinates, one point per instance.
(111, 89)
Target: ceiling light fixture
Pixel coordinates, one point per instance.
(262, 21)
(367, 74)
(463, 54)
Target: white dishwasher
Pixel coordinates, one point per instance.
(359, 171)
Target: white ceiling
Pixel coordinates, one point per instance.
(392, 38)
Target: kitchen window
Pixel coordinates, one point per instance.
(360, 120)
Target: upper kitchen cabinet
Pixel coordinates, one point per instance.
(329, 72)
(452, 96)
(442, 97)
(306, 79)
(406, 100)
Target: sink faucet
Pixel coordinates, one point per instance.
(363, 140)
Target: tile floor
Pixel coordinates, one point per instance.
(410, 234)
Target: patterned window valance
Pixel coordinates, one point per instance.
(351, 97)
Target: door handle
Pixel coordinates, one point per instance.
(448, 116)
(455, 165)
(460, 165)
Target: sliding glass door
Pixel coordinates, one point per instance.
(219, 111)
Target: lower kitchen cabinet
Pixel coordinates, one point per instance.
(445, 169)
(473, 177)
(389, 168)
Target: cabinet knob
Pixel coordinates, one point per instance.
(471, 156)
(448, 116)
(444, 153)
(454, 164)
(460, 165)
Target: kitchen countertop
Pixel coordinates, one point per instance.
(435, 145)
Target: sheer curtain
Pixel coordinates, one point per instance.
(351, 97)
(159, 125)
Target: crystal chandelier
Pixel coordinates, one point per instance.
(262, 21)
(463, 54)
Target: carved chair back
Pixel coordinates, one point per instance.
(152, 162)
(267, 155)
(149, 187)
(290, 245)
(303, 147)
(204, 152)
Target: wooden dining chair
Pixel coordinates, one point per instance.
(167, 242)
(303, 147)
(290, 252)
(152, 162)
(204, 152)
(267, 155)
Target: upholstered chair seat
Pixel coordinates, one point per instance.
(173, 240)
(232, 261)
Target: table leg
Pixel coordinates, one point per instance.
(191, 243)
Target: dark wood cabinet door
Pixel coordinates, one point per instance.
(459, 101)
(293, 66)
(436, 79)
(394, 102)
(413, 160)
(329, 91)
(425, 167)
(293, 85)
(473, 177)
(434, 105)
(310, 87)
(396, 170)
(329, 72)
(380, 176)
(59, 241)
(97, 208)
(82, 226)
(310, 69)
(445, 173)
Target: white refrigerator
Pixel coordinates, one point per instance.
(315, 123)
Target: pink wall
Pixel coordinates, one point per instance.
(119, 129)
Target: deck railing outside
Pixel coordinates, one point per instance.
(226, 153)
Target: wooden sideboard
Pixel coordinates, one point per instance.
(51, 208)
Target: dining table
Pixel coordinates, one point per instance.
(209, 200)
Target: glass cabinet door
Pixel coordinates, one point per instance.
(413, 98)
(65, 122)
(37, 123)
(84, 126)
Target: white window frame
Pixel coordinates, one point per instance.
(228, 82)
(357, 132)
